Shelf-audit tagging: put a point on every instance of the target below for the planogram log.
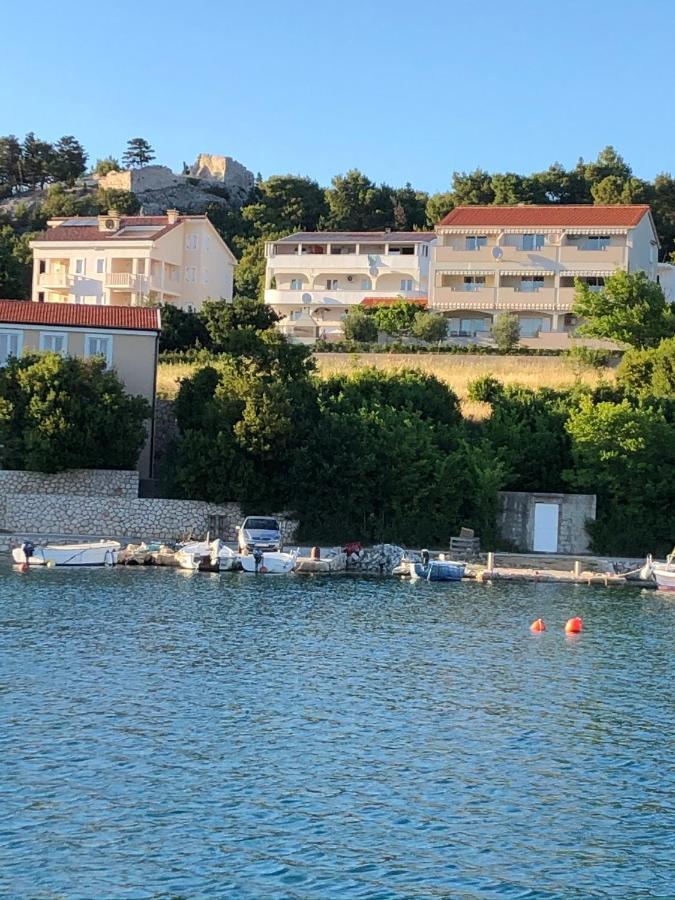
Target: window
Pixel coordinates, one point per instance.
(596, 242)
(533, 241)
(406, 284)
(296, 284)
(530, 327)
(474, 282)
(79, 267)
(207, 244)
(56, 342)
(366, 284)
(471, 326)
(475, 242)
(594, 283)
(99, 345)
(205, 276)
(190, 274)
(11, 343)
(331, 284)
(41, 296)
(100, 266)
(192, 241)
(42, 266)
(531, 283)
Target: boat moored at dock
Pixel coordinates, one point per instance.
(100, 553)
(437, 570)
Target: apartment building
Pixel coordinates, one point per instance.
(525, 259)
(116, 260)
(313, 278)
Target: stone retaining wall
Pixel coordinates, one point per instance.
(83, 482)
(105, 503)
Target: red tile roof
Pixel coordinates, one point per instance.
(389, 301)
(551, 216)
(77, 315)
(89, 230)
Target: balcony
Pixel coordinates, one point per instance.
(516, 299)
(55, 280)
(448, 298)
(124, 281)
(331, 298)
(577, 257)
(356, 263)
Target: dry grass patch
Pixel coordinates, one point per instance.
(458, 371)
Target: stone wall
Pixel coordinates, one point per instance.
(105, 503)
(146, 178)
(516, 520)
(81, 482)
(224, 170)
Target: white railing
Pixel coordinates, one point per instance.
(337, 297)
(126, 280)
(53, 279)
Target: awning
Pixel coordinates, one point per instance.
(524, 271)
(466, 271)
(590, 273)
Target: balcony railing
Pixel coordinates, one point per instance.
(54, 279)
(339, 297)
(124, 281)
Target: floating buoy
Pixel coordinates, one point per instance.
(538, 625)
(24, 567)
(263, 570)
(574, 625)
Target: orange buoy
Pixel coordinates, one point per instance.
(263, 570)
(24, 567)
(538, 625)
(574, 625)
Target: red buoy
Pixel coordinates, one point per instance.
(24, 567)
(538, 625)
(574, 625)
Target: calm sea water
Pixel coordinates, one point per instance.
(171, 735)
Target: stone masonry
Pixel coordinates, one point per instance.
(105, 503)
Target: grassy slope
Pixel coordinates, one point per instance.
(457, 370)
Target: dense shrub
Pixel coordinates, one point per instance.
(61, 413)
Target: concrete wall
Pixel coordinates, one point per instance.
(146, 178)
(105, 503)
(516, 520)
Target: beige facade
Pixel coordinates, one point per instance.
(131, 261)
(313, 278)
(525, 260)
(127, 339)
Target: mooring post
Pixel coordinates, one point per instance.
(577, 568)
(490, 561)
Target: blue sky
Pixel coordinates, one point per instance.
(404, 91)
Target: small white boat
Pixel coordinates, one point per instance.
(223, 558)
(273, 563)
(101, 553)
(664, 573)
(194, 555)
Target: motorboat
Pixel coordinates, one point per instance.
(437, 570)
(100, 553)
(194, 555)
(223, 558)
(273, 563)
(663, 573)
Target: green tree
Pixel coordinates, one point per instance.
(359, 325)
(60, 202)
(36, 160)
(356, 203)
(409, 208)
(182, 329)
(286, 203)
(397, 318)
(621, 453)
(472, 188)
(438, 206)
(249, 276)
(11, 163)
(125, 202)
(244, 315)
(138, 153)
(15, 265)
(650, 372)
(609, 163)
(630, 308)
(106, 165)
(506, 332)
(430, 327)
(61, 413)
(69, 160)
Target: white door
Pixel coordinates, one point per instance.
(546, 527)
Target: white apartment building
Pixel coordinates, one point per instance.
(115, 260)
(525, 259)
(313, 278)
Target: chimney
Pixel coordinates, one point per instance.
(110, 222)
(172, 216)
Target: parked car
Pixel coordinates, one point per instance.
(259, 533)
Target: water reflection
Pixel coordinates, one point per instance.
(245, 737)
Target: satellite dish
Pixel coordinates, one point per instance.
(497, 252)
(373, 270)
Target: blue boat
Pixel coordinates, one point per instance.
(437, 570)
